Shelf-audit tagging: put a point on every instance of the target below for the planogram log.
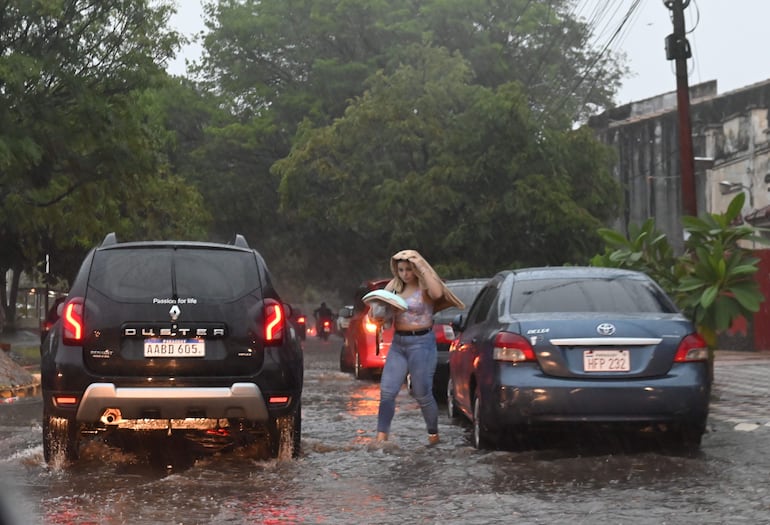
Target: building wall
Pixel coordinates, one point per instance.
(742, 154)
(730, 134)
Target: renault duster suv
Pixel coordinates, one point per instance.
(176, 336)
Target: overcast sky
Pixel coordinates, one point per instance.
(726, 38)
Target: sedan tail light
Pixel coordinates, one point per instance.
(275, 322)
(444, 334)
(692, 348)
(73, 328)
(512, 347)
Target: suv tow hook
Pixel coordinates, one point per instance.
(111, 416)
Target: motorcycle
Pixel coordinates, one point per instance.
(324, 328)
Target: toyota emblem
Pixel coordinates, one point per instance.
(605, 329)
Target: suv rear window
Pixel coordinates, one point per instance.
(139, 275)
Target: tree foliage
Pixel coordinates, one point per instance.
(307, 58)
(384, 122)
(425, 158)
(81, 147)
(329, 132)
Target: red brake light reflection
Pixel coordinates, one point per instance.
(72, 322)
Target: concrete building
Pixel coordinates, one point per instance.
(731, 145)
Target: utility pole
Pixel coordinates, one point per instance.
(678, 49)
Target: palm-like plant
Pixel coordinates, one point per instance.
(646, 250)
(717, 284)
(712, 282)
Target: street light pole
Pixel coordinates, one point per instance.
(678, 49)
(47, 282)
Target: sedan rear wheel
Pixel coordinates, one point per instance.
(344, 367)
(482, 437)
(689, 435)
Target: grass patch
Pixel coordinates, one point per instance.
(27, 355)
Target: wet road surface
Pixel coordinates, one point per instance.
(344, 477)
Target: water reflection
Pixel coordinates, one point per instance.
(342, 477)
(365, 400)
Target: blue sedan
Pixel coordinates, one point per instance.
(547, 346)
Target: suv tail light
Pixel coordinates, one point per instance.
(692, 348)
(275, 322)
(512, 347)
(73, 328)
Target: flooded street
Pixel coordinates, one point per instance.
(343, 477)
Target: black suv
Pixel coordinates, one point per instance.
(172, 335)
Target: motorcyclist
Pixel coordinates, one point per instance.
(322, 313)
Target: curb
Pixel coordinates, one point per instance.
(12, 394)
(733, 357)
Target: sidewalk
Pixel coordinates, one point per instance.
(732, 357)
(17, 381)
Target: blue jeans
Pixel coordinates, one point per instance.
(415, 355)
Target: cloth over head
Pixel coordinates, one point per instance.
(447, 299)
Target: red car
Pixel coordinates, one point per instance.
(366, 345)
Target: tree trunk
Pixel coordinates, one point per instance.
(10, 310)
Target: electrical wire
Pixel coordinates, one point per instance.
(616, 30)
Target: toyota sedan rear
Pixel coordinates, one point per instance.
(543, 347)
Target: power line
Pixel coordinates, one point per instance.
(616, 30)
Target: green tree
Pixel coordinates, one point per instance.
(282, 69)
(307, 58)
(81, 149)
(426, 158)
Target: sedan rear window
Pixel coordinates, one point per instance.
(589, 295)
(466, 292)
(139, 275)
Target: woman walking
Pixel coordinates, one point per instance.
(413, 350)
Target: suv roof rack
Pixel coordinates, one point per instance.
(110, 239)
(240, 241)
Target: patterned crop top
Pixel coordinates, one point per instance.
(418, 312)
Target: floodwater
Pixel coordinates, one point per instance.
(344, 477)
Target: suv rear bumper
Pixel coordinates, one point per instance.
(241, 400)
